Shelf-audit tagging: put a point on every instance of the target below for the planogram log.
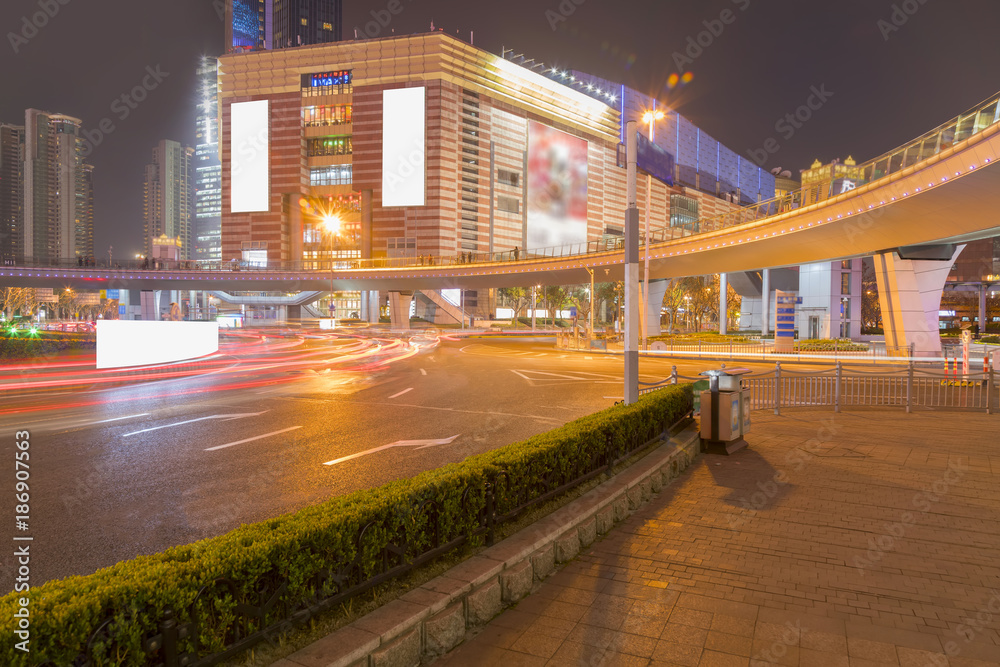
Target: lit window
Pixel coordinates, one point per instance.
(327, 26)
(303, 22)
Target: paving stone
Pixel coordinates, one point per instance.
(483, 604)
(445, 631)
(543, 562)
(587, 532)
(605, 520)
(567, 546)
(403, 652)
(516, 582)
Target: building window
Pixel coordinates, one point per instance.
(507, 177)
(327, 26)
(327, 146)
(846, 264)
(508, 204)
(401, 247)
(684, 212)
(845, 283)
(327, 115)
(303, 21)
(341, 174)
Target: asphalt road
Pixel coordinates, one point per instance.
(136, 467)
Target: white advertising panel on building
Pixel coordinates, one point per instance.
(403, 147)
(249, 157)
(557, 188)
(122, 343)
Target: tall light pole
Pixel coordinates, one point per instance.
(650, 118)
(591, 272)
(331, 224)
(631, 270)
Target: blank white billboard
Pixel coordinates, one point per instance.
(403, 147)
(122, 343)
(250, 155)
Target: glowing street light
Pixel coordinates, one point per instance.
(650, 118)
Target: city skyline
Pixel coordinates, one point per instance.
(857, 51)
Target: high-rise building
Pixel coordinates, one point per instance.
(207, 167)
(252, 25)
(167, 197)
(307, 22)
(58, 192)
(11, 194)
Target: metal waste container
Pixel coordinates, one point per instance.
(725, 411)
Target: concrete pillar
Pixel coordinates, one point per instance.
(982, 309)
(910, 297)
(399, 309)
(148, 302)
(654, 305)
(723, 304)
(765, 310)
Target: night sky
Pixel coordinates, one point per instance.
(890, 81)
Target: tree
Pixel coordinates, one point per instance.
(23, 300)
(611, 294)
(582, 299)
(673, 301)
(871, 310)
(555, 298)
(516, 298)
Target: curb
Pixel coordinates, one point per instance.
(429, 621)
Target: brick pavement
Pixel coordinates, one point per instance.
(860, 539)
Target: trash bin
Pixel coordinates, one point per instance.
(725, 412)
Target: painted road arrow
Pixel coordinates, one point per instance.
(419, 444)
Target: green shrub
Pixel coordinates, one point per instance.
(25, 346)
(828, 345)
(304, 549)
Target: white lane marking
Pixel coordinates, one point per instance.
(256, 437)
(199, 419)
(402, 392)
(117, 419)
(419, 444)
(423, 372)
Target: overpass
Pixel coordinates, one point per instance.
(939, 189)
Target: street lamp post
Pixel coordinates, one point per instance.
(591, 272)
(650, 118)
(331, 224)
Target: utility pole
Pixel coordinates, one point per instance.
(631, 272)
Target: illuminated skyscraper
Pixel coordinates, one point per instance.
(252, 25)
(58, 192)
(207, 167)
(11, 193)
(167, 197)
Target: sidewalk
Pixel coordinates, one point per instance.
(856, 539)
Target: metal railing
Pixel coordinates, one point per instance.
(938, 140)
(909, 388)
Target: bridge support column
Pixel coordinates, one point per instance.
(909, 292)
(148, 300)
(654, 306)
(369, 306)
(723, 304)
(982, 309)
(765, 309)
(399, 309)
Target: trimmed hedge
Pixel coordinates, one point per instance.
(829, 345)
(302, 550)
(26, 347)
